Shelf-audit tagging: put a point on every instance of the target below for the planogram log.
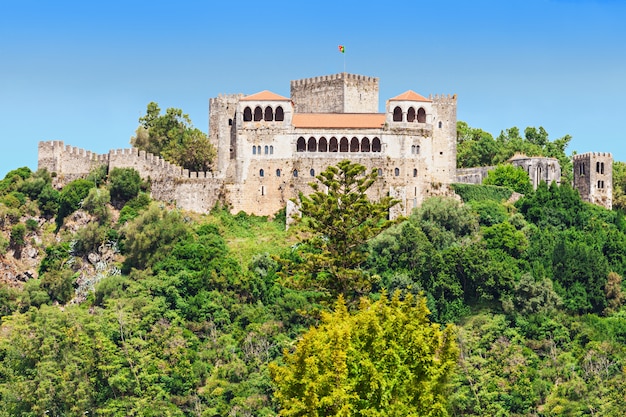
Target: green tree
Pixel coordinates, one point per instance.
(506, 175)
(387, 359)
(124, 184)
(341, 219)
(475, 147)
(173, 137)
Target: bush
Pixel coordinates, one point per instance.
(124, 184)
(17, 236)
(70, 198)
(32, 225)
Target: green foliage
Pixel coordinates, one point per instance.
(13, 179)
(478, 192)
(506, 175)
(475, 147)
(385, 360)
(446, 221)
(71, 197)
(59, 285)
(173, 136)
(96, 203)
(98, 175)
(150, 236)
(490, 212)
(341, 219)
(18, 232)
(124, 184)
(89, 238)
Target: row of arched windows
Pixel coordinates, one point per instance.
(411, 115)
(256, 150)
(341, 145)
(268, 115)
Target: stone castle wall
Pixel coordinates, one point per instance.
(194, 191)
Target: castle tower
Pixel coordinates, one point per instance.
(222, 129)
(339, 93)
(593, 177)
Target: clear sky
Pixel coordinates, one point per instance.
(83, 72)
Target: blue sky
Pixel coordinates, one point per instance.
(83, 72)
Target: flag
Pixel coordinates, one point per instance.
(342, 49)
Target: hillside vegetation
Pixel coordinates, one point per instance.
(115, 305)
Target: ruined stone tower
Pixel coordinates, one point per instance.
(593, 177)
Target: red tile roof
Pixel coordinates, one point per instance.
(265, 95)
(409, 96)
(339, 120)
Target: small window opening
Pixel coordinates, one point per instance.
(261, 173)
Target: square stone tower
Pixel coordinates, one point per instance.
(339, 93)
(593, 177)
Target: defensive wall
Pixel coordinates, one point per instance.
(193, 191)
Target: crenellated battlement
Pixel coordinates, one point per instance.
(593, 155)
(334, 77)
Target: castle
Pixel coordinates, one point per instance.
(269, 148)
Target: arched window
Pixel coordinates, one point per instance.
(581, 169)
(323, 145)
(312, 145)
(421, 115)
(440, 125)
(597, 166)
(332, 146)
(280, 114)
(247, 114)
(278, 172)
(312, 172)
(365, 145)
(301, 145)
(261, 173)
(343, 145)
(271, 149)
(269, 114)
(258, 149)
(397, 114)
(417, 149)
(380, 172)
(602, 168)
(376, 145)
(267, 149)
(410, 115)
(415, 172)
(230, 122)
(253, 150)
(295, 173)
(354, 145)
(258, 114)
(396, 172)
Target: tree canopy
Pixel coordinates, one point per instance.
(341, 219)
(173, 137)
(387, 359)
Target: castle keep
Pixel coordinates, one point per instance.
(269, 148)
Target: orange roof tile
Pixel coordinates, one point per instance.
(265, 95)
(339, 120)
(409, 96)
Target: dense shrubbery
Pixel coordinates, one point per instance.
(201, 310)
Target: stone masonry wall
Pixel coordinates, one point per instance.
(339, 93)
